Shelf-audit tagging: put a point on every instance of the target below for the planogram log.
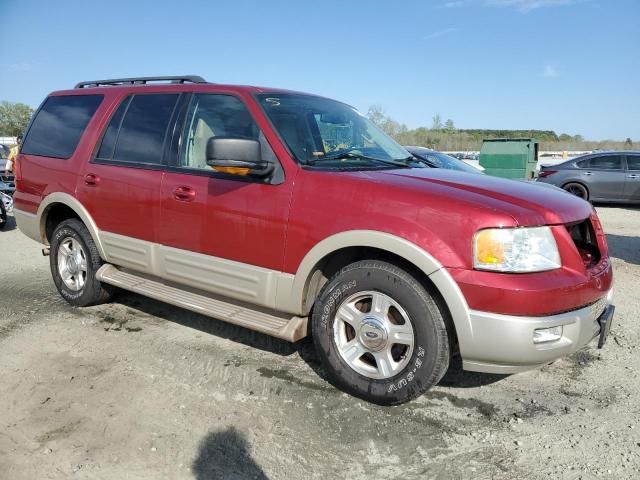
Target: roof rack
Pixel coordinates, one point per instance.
(141, 81)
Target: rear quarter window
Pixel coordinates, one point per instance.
(59, 125)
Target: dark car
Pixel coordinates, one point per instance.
(598, 177)
(437, 159)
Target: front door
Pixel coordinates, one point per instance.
(222, 233)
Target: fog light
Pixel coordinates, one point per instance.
(545, 335)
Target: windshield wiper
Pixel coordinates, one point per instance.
(358, 156)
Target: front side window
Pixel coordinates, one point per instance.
(633, 162)
(329, 134)
(213, 115)
(608, 162)
(59, 124)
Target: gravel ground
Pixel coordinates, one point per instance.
(138, 389)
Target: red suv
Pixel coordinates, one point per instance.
(293, 215)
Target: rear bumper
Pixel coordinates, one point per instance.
(28, 224)
(504, 343)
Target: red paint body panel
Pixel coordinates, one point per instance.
(236, 220)
(275, 226)
(535, 294)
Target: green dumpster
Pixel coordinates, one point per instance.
(510, 157)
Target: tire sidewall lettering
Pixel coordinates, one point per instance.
(340, 291)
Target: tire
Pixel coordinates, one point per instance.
(75, 278)
(578, 190)
(354, 356)
(3, 216)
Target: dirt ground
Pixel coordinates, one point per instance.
(138, 389)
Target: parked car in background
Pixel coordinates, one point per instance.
(6, 206)
(598, 177)
(7, 187)
(436, 159)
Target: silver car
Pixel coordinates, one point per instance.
(598, 177)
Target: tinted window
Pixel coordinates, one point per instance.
(609, 162)
(111, 135)
(59, 124)
(214, 116)
(633, 162)
(143, 129)
(583, 164)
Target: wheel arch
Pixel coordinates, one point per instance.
(338, 250)
(62, 206)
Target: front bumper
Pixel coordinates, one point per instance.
(504, 343)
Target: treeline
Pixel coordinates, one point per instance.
(445, 136)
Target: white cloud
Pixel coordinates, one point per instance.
(21, 67)
(528, 5)
(550, 72)
(440, 33)
(455, 4)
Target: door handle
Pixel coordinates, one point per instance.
(633, 175)
(588, 173)
(184, 194)
(91, 179)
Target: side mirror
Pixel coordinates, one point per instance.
(237, 156)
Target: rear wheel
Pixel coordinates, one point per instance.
(74, 261)
(379, 333)
(578, 190)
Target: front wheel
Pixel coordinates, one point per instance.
(379, 333)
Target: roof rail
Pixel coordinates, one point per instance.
(141, 81)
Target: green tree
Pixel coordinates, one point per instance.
(14, 118)
(436, 123)
(449, 126)
(376, 115)
(628, 144)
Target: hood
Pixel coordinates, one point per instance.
(528, 203)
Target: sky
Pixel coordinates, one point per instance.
(572, 66)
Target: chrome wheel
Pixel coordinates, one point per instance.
(373, 334)
(72, 264)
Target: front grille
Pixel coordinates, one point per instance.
(585, 240)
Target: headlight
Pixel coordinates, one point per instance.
(516, 250)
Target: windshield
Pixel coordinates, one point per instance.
(328, 134)
(442, 160)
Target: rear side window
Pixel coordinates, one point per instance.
(59, 125)
(633, 162)
(609, 162)
(138, 128)
(108, 145)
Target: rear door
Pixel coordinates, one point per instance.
(605, 177)
(120, 187)
(632, 178)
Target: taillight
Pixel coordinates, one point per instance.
(16, 169)
(546, 173)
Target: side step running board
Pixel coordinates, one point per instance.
(291, 329)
